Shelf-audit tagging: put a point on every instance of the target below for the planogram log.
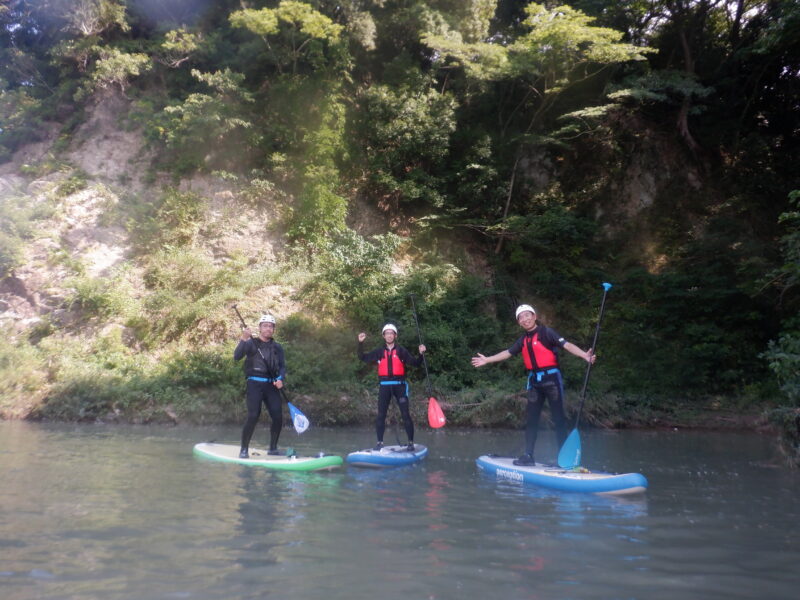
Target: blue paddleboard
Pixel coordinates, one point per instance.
(565, 480)
(388, 456)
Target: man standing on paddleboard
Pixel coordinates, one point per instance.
(265, 369)
(391, 360)
(539, 347)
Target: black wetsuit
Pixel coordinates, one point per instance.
(545, 384)
(391, 385)
(264, 364)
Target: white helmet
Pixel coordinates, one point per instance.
(524, 307)
(266, 319)
(389, 327)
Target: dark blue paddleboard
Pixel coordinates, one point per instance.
(388, 456)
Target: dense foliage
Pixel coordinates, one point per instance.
(650, 143)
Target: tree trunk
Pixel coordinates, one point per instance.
(736, 28)
(499, 246)
(686, 105)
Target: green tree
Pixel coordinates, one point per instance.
(559, 50)
(783, 355)
(292, 32)
(321, 209)
(18, 110)
(304, 108)
(89, 18)
(177, 47)
(405, 137)
(114, 69)
(354, 275)
(205, 128)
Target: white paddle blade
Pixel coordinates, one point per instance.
(299, 420)
(300, 423)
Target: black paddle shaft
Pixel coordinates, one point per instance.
(594, 345)
(238, 314)
(419, 335)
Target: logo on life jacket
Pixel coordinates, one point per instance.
(535, 355)
(391, 365)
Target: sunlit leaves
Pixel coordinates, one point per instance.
(482, 61)
(561, 39)
(92, 17)
(661, 86)
(361, 27)
(477, 15)
(262, 22)
(178, 46)
(288, 31)
(115, 68)
(557, 41)
(307, 20)
(226, 83)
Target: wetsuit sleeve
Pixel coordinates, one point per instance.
(516, 347)
(551, 338)
(281, 362)
(369, 357)
(407, 358)
(242, 349)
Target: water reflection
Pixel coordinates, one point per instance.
(121, 513)
(573, 507)
(259, 519)
(435, 504)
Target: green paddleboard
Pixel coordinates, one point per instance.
(260, 458)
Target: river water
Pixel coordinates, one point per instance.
(116, 512)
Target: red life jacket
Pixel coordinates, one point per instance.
(391, 365)
(535, 355)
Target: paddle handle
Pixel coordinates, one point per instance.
(419, 335)
(238, 314)
(606, 287)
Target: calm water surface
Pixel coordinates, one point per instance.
(112, 512)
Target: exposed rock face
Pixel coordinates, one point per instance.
(81, 233)
(106, 150)
(16, 301)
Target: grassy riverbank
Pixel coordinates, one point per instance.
(65, 374)
(105, 381)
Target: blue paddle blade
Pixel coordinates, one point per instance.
(299, 420)
(607, 286)
(569, 456)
